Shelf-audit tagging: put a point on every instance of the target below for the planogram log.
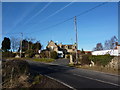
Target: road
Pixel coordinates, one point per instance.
(76, 78)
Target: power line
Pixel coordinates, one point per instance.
(39, 12)
(55, 12)
(84, 12)
(58, 11)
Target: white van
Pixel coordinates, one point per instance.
(60, 54)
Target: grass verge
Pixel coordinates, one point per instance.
(46, 60)
(101, 69)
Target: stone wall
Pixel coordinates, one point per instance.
(115, 63)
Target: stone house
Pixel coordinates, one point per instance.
(69, 48)
(52, 46)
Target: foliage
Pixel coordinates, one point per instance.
(98, 47)
(53, 54)
(68, 56)
(25, 45)
(108, 44)
(101, 59)
(84, 59)
(29, 45)
(43, 59)
(48, 54)
(8, 54)
(37, 79)
(15, 43)
(82, 51)
(45, 54)
(111, 44)
(30, 53)
(14, 70)
(6, 44)
(37, 46)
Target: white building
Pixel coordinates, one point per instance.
(114, 52)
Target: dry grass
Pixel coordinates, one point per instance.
(101, 69)
(47, 60)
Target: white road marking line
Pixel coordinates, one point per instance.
(61, 82)
(96, 80)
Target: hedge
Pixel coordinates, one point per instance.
(101, 59)
(8, 54)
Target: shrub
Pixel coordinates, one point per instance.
(8, 54)
(30, 53)
(45, 54)
(16, 68)
(85, 59)
(68, 56)
(53, 54)
(101, 59)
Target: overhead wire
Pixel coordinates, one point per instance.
(53, 13)
(84, 12)
(39, 12)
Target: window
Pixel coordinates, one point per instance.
(70, 47)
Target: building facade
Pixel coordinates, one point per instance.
(112, 52)
(53, 46)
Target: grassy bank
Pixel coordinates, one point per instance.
(17, 75)
(97, 68)
(101, 69)
(46, 60)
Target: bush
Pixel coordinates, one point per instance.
(8, 54)
(101, 59)
(16, 68)
(85, 59)
(45, 54)
(53, 54)
(68, 56)
(30, 53)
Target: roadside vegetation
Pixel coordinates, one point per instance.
(47, 60)
(17, 74)
(102, 63)
(101, 59)
(101, 69)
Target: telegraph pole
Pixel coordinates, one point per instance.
(21, 45)
(75, 25)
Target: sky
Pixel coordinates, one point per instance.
(38, 20)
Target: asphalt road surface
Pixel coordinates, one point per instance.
(76, 78)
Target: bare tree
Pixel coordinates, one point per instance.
(107, 45)
(98, 47)
(111, 44)
(15, 43)
(30, 40)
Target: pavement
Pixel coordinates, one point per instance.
(76, 78)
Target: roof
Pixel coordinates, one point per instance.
(78, 51)
(67, 45)
(87, 51)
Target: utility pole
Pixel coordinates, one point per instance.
(75, 25)
(21, 45)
